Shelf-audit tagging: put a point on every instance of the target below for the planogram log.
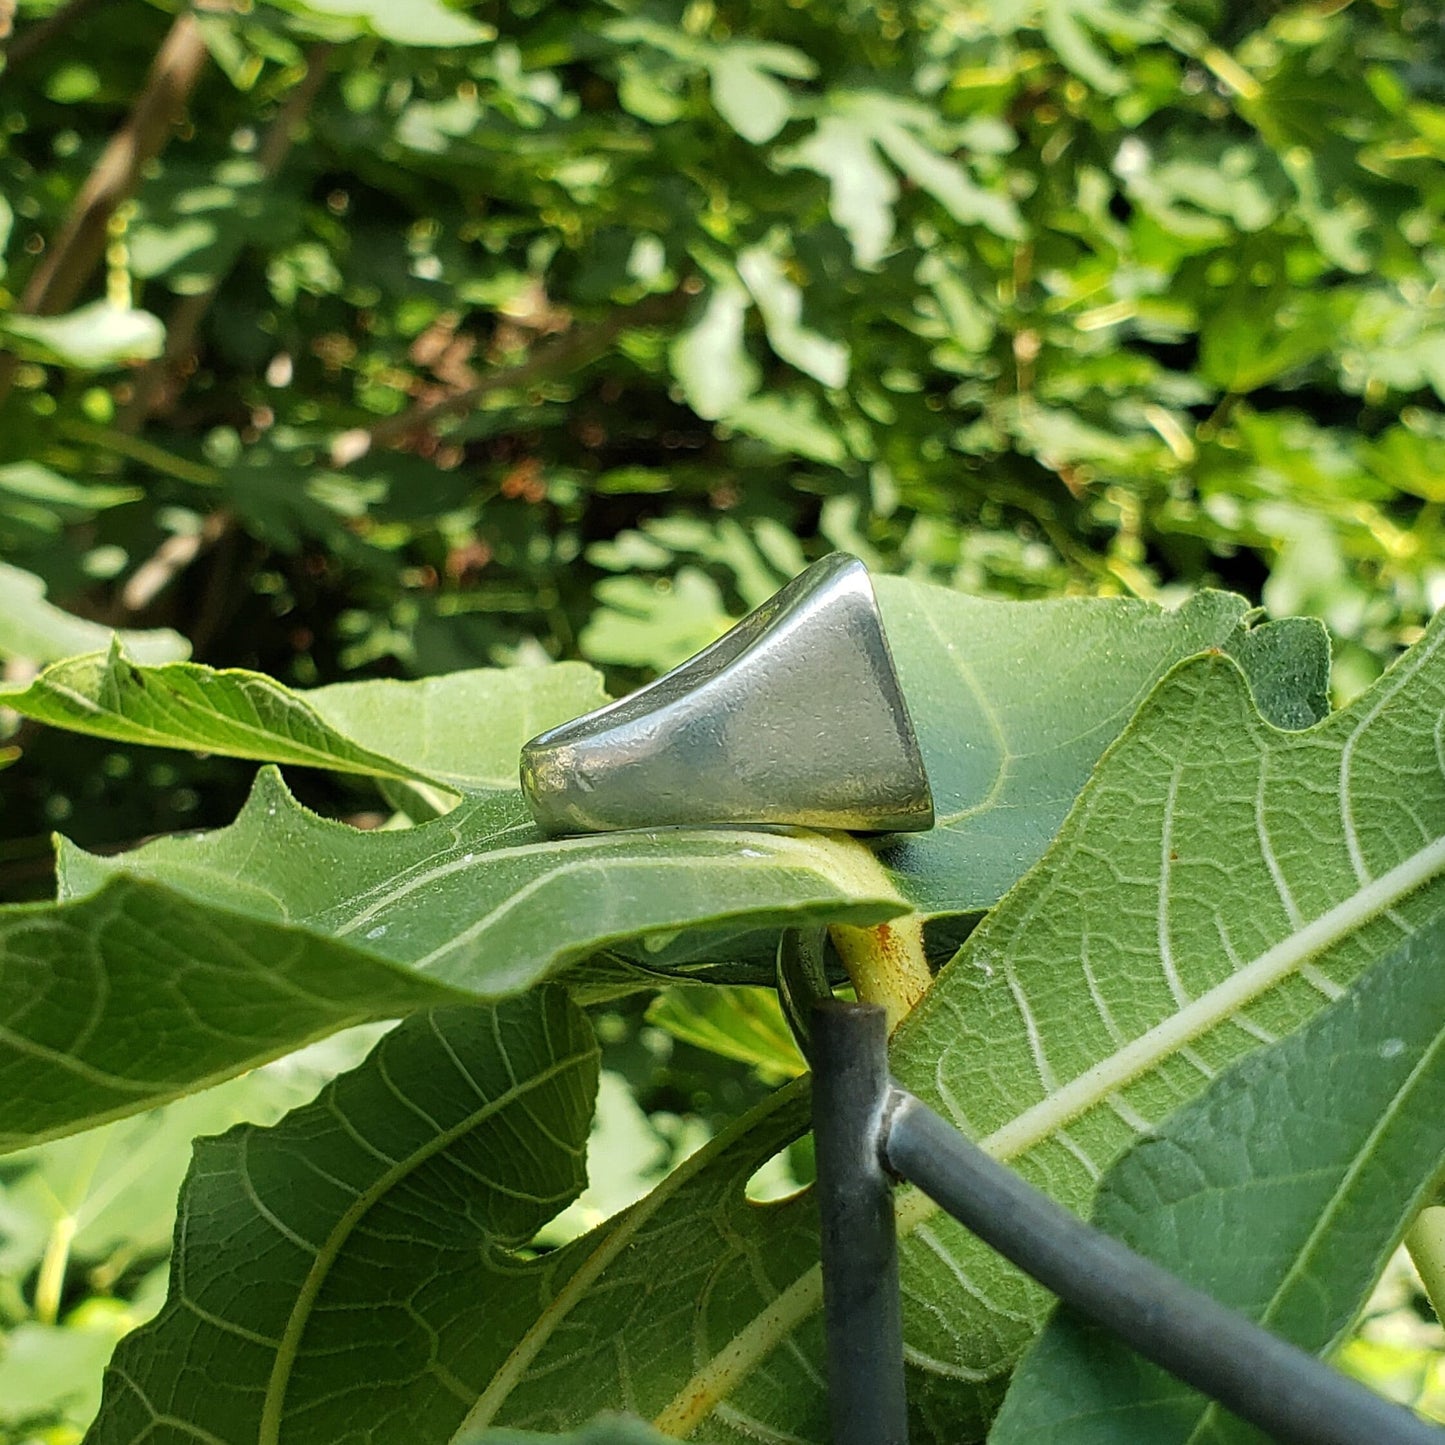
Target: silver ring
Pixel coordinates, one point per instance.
(795, 716)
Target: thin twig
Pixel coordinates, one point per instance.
(173, 556)
(76, 251)
(30, 41)
(68, 264)
(189, 311)
(567, 353)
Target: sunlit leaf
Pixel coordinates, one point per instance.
(862, 190)
(285, 927)
(408, 22)
(38, 631)
(94, 338)
(1315, 1152)
(710, 360)
(463, 731)
(780, 301)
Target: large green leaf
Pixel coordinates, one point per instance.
(39, 631)
(210, 953)
(111, 1193)
(1015, 702)
(480, 900)
(395, 1228)
(463, 731)
(1217, 884)
(1281, 1191)
(471, 1119)
(178, 995)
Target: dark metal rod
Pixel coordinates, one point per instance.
(867, 1402)
(1260, 1377)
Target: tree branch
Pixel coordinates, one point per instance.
(34, 38)
(67, 265)
(75, 252)
(189, 311)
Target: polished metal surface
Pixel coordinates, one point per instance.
(795, 716)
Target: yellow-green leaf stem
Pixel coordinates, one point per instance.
(50, 1278)
(885, 963)
(1426, 1243)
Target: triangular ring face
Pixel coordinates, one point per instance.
(793, 717)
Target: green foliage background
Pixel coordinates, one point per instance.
(421, 338)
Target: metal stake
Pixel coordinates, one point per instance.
(861, 1305)
(1260, 1377)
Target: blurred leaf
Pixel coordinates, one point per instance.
(50, 1374)
(29, 482)
(114, 1189)
(36, 630)
(1063, 28)
(710, 360)
(781, 303)
(95, 338)
(1410, 461)
(626, 1157)
(655, 625)
(862, 190)
(408, 22)
(1317, 1152)
(1241, 349)
(745, 91)
(745, 1024)
(195, 219)
(949, 184)
(790, 422)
